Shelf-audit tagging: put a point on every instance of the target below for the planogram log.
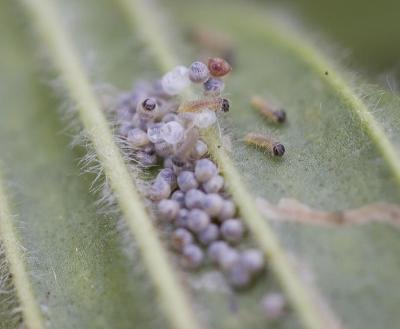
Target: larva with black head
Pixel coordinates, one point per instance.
(267, 110)
(214, 104)
(265, 142)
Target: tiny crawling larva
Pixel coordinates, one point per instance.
(268, 110)
(214, 104)
(268, 143)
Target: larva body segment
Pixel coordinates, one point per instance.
(268, 110)
(214, 104)
(268, 143)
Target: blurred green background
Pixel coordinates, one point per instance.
(367, 31)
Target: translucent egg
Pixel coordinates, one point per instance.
(204, 170)
(193, 256)
(200, 149)
(181, 238)
(172, 132)
(137, 137)
(205, 118)
(154, 133)
(273, 305)
(198, 72)
(213, 87)
(174, 81)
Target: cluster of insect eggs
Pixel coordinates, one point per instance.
(189, 192)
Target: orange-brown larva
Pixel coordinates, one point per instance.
(268, 143)
(214, 104)
(267, 110)
(218, 67)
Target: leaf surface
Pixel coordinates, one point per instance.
(332, 163)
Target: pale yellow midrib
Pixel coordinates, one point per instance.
(172, 297)
(31, 314)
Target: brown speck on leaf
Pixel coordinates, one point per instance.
(293, 210)
(214, 42)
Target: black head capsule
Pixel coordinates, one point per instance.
(265, 142)
(280, 116)
(225, 105)
(278, 149)
(149, 104)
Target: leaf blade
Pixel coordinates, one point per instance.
(74, 256)
(65, 58)
(302, 302)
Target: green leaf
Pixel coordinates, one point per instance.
(78, 270)
(338, 157)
